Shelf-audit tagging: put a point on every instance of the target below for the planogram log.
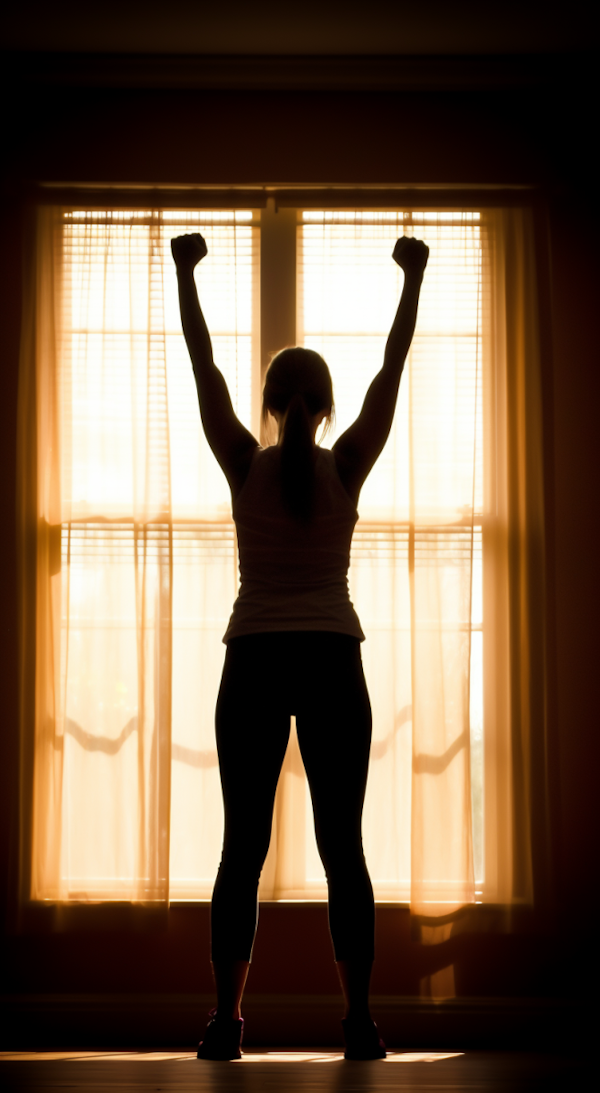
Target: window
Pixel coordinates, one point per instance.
(126, 797)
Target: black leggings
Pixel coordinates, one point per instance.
(267, 678)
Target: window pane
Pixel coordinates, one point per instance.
(142, 493)
(348, 293)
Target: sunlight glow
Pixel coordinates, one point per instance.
(348, 291)
(248, 1056)
(135, 456)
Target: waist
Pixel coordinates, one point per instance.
(267, 606)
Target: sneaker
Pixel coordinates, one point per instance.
(222, 1038)
(362, 1040)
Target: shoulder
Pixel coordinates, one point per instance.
(262, 466)
(325, 457)
(347, 472)
(328, 471)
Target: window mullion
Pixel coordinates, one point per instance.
(277, 280)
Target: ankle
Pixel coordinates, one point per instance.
(227, 1010)
(358, 1015)
(230, 980)
(354, 976)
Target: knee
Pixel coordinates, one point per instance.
(342, 857)
(243, 857)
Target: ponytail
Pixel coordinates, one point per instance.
(298, 460)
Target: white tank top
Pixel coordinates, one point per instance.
(293, 575)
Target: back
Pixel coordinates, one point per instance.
(293, 574)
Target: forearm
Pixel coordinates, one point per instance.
(403, 326)
(361, 444)
(213, 395)
(225, 435)
(194, 326)
(380, 401)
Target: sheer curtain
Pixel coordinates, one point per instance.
(104, 568)
(126, 520)
(129, 570)
(38, 528)
(416, 562)
(516, 846)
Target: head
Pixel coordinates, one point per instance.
(298, 371)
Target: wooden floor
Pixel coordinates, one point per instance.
(288, 1072)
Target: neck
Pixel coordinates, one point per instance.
(315, 421)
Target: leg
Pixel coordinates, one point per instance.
(252, 736)
(355, 977)
(230, 980)
(334, 732)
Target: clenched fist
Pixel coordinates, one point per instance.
(411, 255)
(188, 250)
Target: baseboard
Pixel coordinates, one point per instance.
(177, 1020)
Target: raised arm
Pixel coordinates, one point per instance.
(359, 447)
(230, 441)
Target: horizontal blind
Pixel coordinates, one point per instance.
(348, 292)
(121, 304)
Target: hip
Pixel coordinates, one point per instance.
(292, 670)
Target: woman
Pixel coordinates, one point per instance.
(293, 644)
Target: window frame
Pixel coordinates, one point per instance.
(285, 208)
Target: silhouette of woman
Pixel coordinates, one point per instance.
(293, 644)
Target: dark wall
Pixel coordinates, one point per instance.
(258, 136)
(512, 135)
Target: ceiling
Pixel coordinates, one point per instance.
(301, 27)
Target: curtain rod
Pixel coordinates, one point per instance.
(256, 197)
